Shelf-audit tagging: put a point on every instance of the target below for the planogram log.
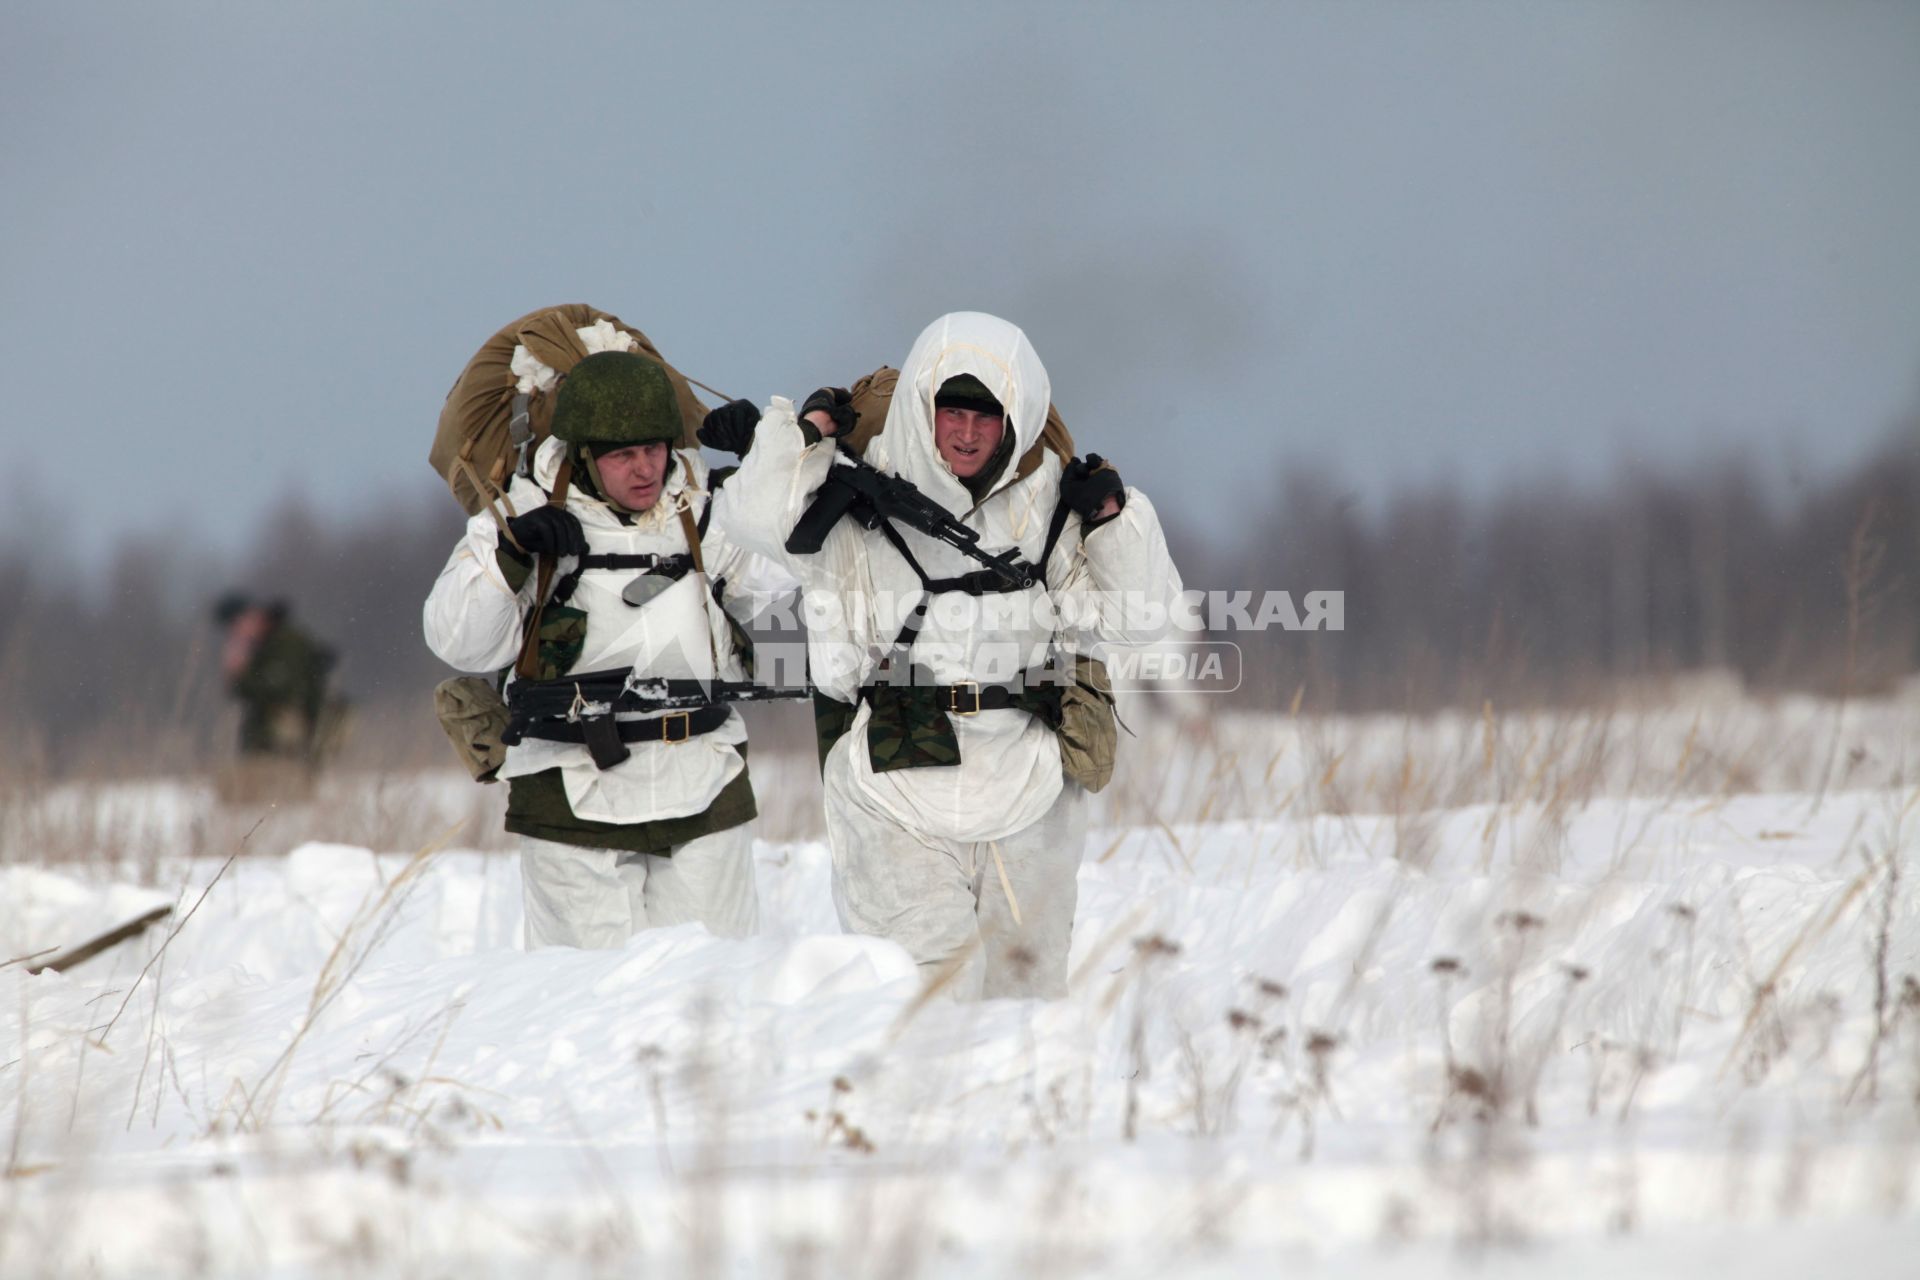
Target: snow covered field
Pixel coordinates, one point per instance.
(1584, 994)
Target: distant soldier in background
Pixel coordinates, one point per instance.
(287, 721)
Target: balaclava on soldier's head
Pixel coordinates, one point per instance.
(611, 400)
(967, 392)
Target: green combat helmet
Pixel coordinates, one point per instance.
(612, 400)
(616, 398)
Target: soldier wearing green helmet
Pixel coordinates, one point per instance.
(605, 561)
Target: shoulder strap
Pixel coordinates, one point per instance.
(529, 664)
(900, 544)
(1054, 528)
(692, 532)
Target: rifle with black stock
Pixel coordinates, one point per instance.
(581, 708)
(598, 693)
(855, 487)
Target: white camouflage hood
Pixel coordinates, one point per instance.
(991, 350)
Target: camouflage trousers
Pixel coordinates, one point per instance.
(599, 898)
(983, 919)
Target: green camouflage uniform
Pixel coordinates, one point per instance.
(283, 693)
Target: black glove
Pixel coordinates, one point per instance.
(1087, 483)
(730, 427)
(547, 530)
(836, 403)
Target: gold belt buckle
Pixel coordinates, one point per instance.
(953, 697)
(686, 726)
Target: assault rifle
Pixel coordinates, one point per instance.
(592, 695)
(857, 488)
(581, 709)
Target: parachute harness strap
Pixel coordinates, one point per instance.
(528, 666)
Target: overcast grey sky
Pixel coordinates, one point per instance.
(247, 247)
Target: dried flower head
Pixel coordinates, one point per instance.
(1470, 1082)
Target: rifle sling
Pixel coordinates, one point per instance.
(980, 582)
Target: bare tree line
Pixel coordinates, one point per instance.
(1560, 594)
(1539, 595)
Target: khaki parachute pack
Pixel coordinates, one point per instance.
(488, 427)
(488, 430)
(1088, 735)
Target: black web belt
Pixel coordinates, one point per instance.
(605, 738)
(1037, 694)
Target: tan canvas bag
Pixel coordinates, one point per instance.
(1089, 730)
(474, 717)
(480, 438)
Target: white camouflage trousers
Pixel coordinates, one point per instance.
(946, 901)
(598, 898)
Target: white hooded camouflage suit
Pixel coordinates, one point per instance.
(971, 867)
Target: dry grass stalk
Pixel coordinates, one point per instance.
(369, 928)
(174, 933)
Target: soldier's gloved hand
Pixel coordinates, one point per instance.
(837, 404)
(1086, 485)
(730, 427)
(547, 530)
